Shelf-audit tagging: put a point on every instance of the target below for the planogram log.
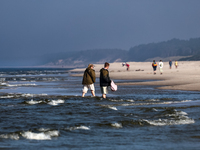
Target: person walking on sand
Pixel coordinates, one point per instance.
(89, 80)
(104, 79)
(170, 64)
(161, 66)
(176, 64)
(154, 65)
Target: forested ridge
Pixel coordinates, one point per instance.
(190, 49)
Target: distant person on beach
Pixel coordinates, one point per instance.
(161, 66)
(89, 80)
(170, 64)
(154, 65)
(176, 64)
(104, 79)
(127, 65)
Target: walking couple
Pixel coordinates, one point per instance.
(89, 80)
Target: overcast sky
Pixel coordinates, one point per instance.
(29, 27)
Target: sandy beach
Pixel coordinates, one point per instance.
(185, 77)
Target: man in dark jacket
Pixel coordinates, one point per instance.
(89, 80)
(104, 79)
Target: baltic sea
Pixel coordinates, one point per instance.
(43, 109)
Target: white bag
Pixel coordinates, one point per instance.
(113, 86)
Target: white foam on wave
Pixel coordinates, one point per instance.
(125, 104)
(15, 85)
(178, 113)
(4, 84)
(130, 100)
(40, 136)
(24, 79)
(55, 102)
(155, 109)
(36, 136)
(182, 113)
(12, 136)
(54, 133)
(8, 96)
(116, 125)
(79, 128)
(121, 100)
(83, 128)
(27, 95)
(32, 95)
(181, 118)
(114, 100)
(163, 122)
(159, 103)
(112, 107)
(153, 100)
(32, 102)
(43, 129)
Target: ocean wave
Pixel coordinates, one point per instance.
(51, 102)
(15, 85)
(130, 100)
(121, 100)
(32, 102)
(114, 100)
(56, 102)
(177, 113)
(116, 125)
(112, 107)
(159, 103)
(8, 96)
(33, 95)
(153, 100)
(78, 128)
(12, 136)
(154, 109)
(3, 84)
(163, 122)
(40, 136)
(174, 117)
(43, 129)
(109, 106)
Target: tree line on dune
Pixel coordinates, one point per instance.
(174, 47)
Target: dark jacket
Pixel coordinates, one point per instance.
(88, 77)
(104, 77)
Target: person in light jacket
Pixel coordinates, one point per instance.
(161, 66)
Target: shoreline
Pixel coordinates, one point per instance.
(186, 77)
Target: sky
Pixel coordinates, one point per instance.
(38, 27)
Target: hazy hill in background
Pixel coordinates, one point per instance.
(174, 49)
(82, 58)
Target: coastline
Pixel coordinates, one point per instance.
(186, 77)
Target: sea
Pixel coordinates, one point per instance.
(42, 108)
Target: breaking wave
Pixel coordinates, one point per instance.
(78, 128)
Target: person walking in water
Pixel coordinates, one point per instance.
(161, 66)
(170, 64)
(104, 79)
(89, 80)
(176, 64)
(154, 65)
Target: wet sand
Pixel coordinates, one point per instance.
(185, 77)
